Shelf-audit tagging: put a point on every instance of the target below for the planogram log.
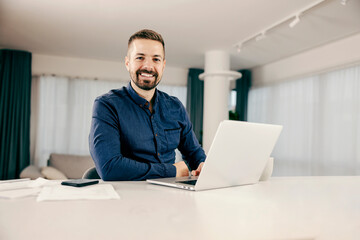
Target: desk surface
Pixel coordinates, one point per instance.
(281, 208)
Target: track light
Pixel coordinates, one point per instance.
(295, 21)
(294, 18)
(260, 36)
(343, 2)
(238, 47)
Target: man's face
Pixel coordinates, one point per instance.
(145, 63)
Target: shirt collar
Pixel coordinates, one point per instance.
(139, 100)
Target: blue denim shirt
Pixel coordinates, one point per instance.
(128, 142)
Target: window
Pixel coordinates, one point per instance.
(321, 119)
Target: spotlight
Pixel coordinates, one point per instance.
(260, 36)
(238, 47)
(295, 21)
(343, 2)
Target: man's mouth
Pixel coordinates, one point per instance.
(146, 80)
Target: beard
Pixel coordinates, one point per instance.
(145, 84)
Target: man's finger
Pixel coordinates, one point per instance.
(195, 173)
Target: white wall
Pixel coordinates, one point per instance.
(330, 56)
(100, 69)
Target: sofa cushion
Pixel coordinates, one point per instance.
(73, 166)
(31, 172)
(52, 173)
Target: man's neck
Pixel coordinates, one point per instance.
(146, 94)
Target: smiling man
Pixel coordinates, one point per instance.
(135, 130)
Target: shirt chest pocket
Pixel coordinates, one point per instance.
(172, 138)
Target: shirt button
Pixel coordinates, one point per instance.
(158, 154)
(146, 104)
(155, 135)
(140, 105)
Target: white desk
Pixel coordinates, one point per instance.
(281, 208)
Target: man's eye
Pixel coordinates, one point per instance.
(157, 60)
(139, 58)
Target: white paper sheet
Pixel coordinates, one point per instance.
(19, 193)
(14, 185)
(20, 184)
(23, 188)
(93, 192)
(15, 180)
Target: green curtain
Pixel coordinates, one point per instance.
(195, 101)
(243, 86)
(15, 93)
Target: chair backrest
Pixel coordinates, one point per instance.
(91, 173)
(73, 166)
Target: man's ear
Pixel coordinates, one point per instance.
(164, 64)
(127, 62)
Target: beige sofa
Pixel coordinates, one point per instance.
(60, 166)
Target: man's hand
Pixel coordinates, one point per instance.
(198, 170)
(181, 169)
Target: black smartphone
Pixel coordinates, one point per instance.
(79, 182)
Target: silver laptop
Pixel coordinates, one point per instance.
(237, 156)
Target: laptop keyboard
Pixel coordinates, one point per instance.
(191, 182)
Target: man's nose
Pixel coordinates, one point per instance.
(148, 65)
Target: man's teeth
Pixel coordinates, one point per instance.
(146, 75)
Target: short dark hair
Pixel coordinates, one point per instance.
(147, 34)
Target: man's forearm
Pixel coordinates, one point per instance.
(124, 169)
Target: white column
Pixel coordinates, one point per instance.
(216, 92)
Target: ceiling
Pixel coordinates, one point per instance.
(99, 29)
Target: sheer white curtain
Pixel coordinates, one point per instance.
(64, 115)
(321, 119)
(64, 112)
